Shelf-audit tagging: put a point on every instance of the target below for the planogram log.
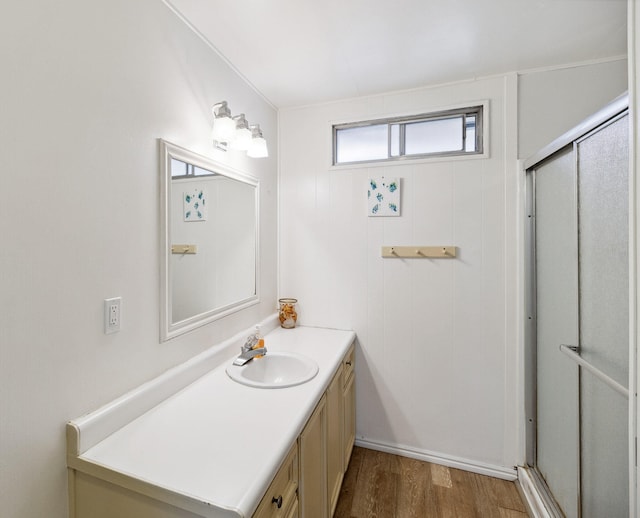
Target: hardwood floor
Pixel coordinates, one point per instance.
(382, 485)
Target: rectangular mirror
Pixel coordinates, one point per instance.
(209, 240)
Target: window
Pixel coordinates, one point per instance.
(180, 169)
(447, 133)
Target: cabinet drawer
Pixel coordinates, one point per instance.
(348, 364)
(281, 499)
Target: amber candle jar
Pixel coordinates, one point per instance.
(287, 313)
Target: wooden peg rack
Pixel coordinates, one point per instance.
(184, 249)
(420, 252)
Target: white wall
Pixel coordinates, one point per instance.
(439, 371)
(87, 89)
(551, 102)
(437, 338)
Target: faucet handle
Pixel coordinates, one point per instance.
(249, 343)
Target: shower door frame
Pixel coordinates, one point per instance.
(609, 113)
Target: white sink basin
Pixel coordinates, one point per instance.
(274, 370)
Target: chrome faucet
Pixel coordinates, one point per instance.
(248, 353)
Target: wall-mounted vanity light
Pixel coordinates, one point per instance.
(241, 139)
(231, 132)
(258, 146)
(224, 126)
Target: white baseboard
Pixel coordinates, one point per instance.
(534, 500)
(439, 458)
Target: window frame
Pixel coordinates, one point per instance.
(477, 109)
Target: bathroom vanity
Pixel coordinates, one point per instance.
(195, 443)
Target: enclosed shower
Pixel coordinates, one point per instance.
(577, 340)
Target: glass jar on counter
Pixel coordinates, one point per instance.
(287, 313)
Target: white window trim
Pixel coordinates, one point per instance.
(410, 160)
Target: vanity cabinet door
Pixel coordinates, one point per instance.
(348, 406)
(294, 512)
(335, 451)
(313, 464)
(280, 500)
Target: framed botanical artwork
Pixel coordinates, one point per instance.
(383, 196)
(195, 205)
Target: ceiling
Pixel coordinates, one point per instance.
(298, 52)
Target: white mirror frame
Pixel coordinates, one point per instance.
(169, 329)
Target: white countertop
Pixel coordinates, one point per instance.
(214, 447)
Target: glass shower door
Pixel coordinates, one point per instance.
(604, 318)
(582, 304)
(556, 246)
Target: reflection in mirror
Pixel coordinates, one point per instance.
(209, 240)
